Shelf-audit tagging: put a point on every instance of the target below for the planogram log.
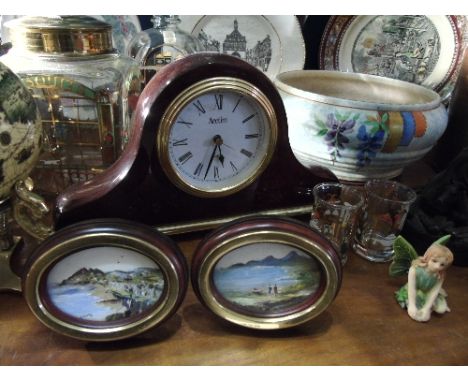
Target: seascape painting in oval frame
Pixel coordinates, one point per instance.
(103, 285)
(267, 279)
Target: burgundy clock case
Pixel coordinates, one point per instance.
(136, 188)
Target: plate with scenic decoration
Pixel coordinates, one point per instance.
(105, 280)
(273, 44)
(426, 50)
(266, 273)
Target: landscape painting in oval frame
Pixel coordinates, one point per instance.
(266, 273)
(105, 279)
(104, 285)
(267, 279)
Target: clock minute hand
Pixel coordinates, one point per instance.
(211, 161)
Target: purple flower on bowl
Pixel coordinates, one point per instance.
(334, 130)
(369, 146)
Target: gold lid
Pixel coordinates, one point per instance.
(69, 35)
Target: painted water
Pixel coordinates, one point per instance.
(80, 302)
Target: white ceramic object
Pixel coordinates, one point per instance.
(273, 44)
(20, 131)
(426, 50)
(359, 126)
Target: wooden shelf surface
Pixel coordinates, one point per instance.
(363, 326)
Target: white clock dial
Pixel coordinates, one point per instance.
(219, 141)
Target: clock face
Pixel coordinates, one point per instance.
(217, 138)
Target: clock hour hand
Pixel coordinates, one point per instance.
(221, 156)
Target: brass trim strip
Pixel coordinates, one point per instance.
(207, 224)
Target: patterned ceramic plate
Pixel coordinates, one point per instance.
(123, 29)
(274, 44)
(425, 50)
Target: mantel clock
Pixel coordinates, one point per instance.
(209, 142)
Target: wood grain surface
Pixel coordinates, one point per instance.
(363, 326)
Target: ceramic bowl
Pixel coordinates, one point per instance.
(359, 126)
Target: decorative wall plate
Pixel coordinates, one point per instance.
(266, 273)
(426, 50)
(124, 28)
(209, 141)
(103, 280)
(273, 44)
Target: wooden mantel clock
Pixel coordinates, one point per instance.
(209, 141)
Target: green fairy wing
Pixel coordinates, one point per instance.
(404, 254)
(442, 240)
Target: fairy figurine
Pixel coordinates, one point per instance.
(423, 293)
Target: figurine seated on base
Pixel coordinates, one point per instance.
(423, 293)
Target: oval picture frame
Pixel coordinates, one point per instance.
(266, 273)
(104, 280)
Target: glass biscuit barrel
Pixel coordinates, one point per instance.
(85, 92)
(160, 45)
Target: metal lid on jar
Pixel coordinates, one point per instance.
(65, 35)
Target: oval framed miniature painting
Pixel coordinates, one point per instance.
(105, 280)
(266, 273)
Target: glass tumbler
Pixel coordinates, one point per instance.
(387, 205)
(335, 214)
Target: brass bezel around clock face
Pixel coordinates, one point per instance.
(244, 88)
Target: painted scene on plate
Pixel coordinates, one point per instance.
(105, 284)
(267, 278)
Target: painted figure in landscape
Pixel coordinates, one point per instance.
(266, 278)
(423, 292)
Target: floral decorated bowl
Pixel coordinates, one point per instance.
(359, 126)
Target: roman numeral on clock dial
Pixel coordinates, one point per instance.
(251, 136)
(184, 158)
(188, 124)
(247, 153)
(199, 106)
(237, 104)
(233, 166)
(219, 101)
(249, 118)
(198, 170)
(180, 142)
